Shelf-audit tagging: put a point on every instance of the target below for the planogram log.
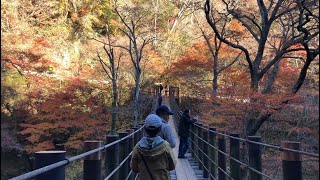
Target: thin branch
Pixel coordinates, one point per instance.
(229, 65)
(102, 64)
(13, 64)
(213, 26)
(123, 47)
(248, 27)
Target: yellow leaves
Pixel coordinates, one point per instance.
(154, 63)
(116, 23)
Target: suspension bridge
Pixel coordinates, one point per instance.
(209, 156)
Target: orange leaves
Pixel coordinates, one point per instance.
(42, 146)
(85, 69)
(195, 61)
(237, 28)
(154, 65)
(43, 42)
(66, 117)
(300, 130)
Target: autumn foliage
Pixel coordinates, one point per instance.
(64, 118)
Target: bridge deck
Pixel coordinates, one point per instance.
(183, 170)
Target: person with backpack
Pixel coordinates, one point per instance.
(152, 157)
(183, 132)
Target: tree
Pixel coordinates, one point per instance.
(64, 118)
(264, 33)
(214, 50)
(260, 29)
(308, 14)
(111, 68)
(138, 37)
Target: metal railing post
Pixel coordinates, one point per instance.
(136, 139)
(136, 136)
(112, 156)
(235, 153)
(192, 127)
(200, 143)
(130, 147)
(44, 158)
(221, 157)
(291, 161)
(141, 133)
(254, 157)
(92, 163)
(212, 152)
(205, 135)
(196, 139)
(123, 153)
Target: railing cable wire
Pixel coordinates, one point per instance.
(227, 155)
(262, 144)
(67, 161)
(118, 167)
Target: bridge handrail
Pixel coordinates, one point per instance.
(68, 160)
(210, 160)
(118, 167)
(203, 157)
(177, 110)
(227, 155)
(263, 144)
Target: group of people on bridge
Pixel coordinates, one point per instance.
(152, 156)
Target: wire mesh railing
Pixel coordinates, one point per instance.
(290, 153)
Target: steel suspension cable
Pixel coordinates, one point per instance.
(129, 175)
(118, 167)
(263, 144)
(210, 160)
(68, 160)
(227, 155)
(203, 163)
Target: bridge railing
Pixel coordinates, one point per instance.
(117, 149)
(50, 165)
(209, 148)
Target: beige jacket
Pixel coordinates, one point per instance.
(160, 161)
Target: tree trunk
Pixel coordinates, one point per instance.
(254, 80)
(215, 81)
(114, 106)
(303, 74)
(136, 99)
(253, 125)
(271, 78)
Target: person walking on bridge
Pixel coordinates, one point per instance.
(166, 133)
(183, 132)
(152, 157)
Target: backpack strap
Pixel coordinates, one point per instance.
(145, 163)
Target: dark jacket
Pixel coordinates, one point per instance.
(184, 125)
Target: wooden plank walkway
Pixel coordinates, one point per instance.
(184, 170)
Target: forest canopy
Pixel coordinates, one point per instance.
(77, 70)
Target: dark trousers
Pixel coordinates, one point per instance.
(184, 145)
(160, 100)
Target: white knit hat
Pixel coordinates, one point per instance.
(152, 121)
